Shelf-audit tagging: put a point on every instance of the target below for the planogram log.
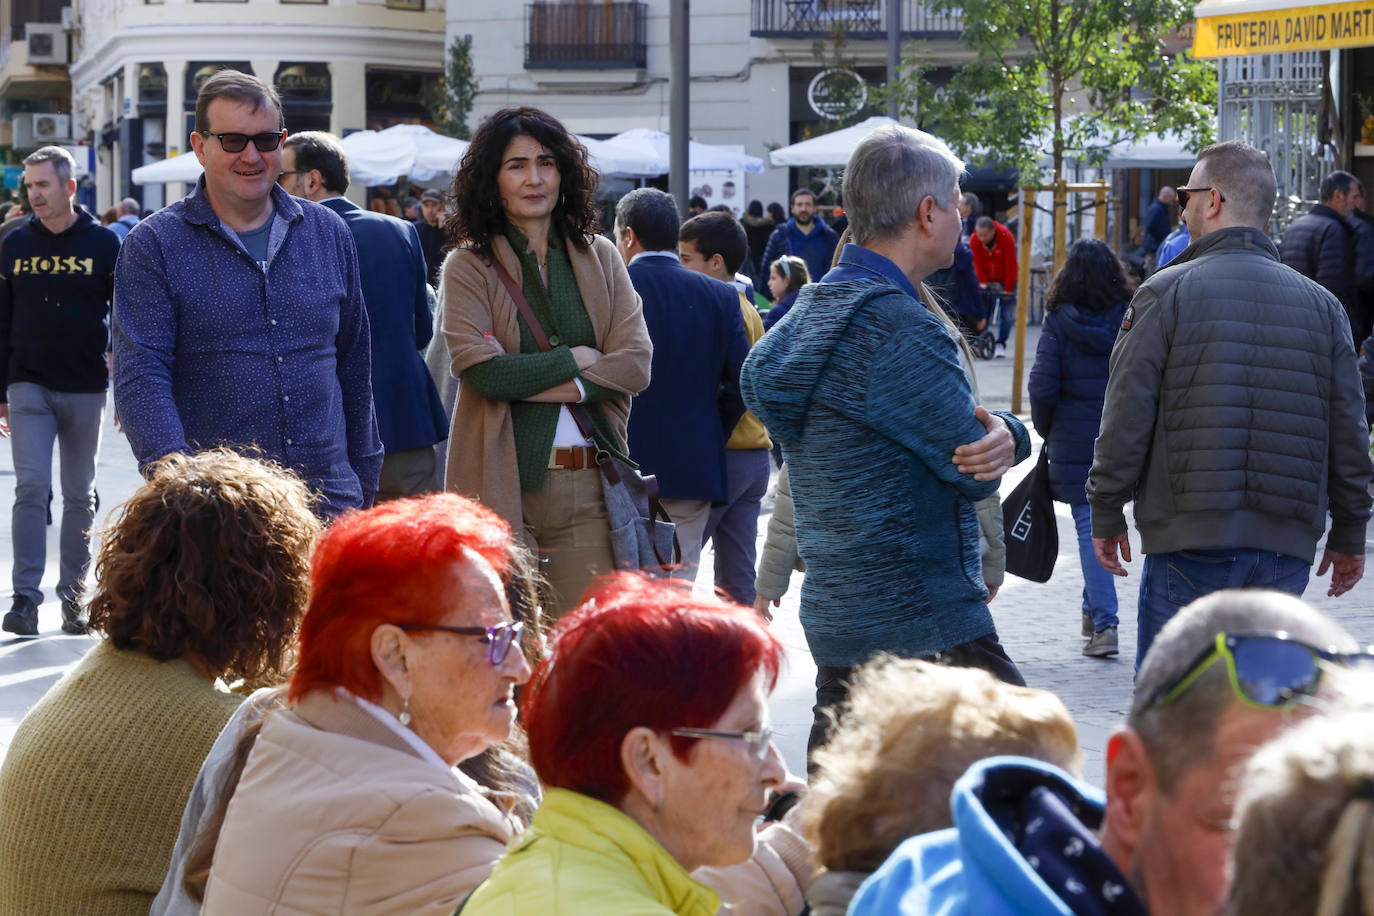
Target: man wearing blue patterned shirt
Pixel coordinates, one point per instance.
(238, 314)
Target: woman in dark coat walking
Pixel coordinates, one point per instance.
(1083, 312)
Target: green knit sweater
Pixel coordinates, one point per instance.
(516, 376)
(92, 789)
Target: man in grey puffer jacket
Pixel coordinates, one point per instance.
(1234, 414)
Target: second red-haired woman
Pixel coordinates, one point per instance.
(648, 726)
(349, 801)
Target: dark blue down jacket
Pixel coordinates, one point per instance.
(1067, 384)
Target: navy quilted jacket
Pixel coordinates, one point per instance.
(1321, 247)
(1067, 384)
(863, 388)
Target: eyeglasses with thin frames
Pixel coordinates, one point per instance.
(761, 739)
(232, 142)
(499, 638)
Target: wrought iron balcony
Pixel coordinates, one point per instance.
(813, 19)
(585, 36)
(25, 11)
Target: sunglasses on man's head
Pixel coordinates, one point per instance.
(236, 143)
(1266, 670)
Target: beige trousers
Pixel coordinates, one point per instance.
(568, 520)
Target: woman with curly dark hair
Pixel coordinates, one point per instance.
(1083, 311)
(523, 207)
(201, 576)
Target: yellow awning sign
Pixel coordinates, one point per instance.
(1306, 28)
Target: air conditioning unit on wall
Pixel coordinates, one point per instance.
(47, 42)
(35, 129)
(50, 128)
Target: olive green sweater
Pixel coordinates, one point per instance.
(92, 789)
(512, 377)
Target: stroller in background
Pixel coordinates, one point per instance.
(984, 343)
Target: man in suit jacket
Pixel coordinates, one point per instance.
(679, 424)
(410, 418)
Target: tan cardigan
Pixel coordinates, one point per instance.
(336, 814)
(481, 444)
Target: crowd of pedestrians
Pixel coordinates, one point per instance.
(465, 700)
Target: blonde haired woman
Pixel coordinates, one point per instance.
(1304, 841)
(911, 730)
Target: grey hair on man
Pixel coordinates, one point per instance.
(128, 207)
(1245, 179)
(890, 172)
(653, 217)
(1180, 735)
(62, 161)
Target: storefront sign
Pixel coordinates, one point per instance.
(1307, 28)
(838, 93)
(197, 72)
(152, 83)
(303, 82)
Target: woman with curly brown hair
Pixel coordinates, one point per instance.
(523, 207)
(201, 577)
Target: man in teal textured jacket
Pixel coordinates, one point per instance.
(887, 449)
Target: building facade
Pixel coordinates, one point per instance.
(602, 67)
(340, 65)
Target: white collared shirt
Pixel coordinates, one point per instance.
(381, 714)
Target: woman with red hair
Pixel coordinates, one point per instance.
(648, 726)
(349, 801)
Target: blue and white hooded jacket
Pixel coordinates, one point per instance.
(1024, 843)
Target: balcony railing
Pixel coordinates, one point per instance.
(24, 11)
(856, 18)
(585, 36)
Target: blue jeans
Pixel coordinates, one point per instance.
(1099, 586)
(40, 417)
(1008, 313)
(1172, 580)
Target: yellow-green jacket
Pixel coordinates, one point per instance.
(581, 857)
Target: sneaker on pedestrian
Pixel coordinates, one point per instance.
(1088, 628)
(1001, 351)
(22, 620)
(1102, 645)
(74, 617)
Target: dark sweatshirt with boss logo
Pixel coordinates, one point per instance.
(55, 293)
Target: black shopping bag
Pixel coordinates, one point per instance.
(1032, 534)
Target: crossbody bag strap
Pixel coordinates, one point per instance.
(579, 411)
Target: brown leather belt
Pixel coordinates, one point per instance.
(573, 458)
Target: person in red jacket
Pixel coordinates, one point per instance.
(994, 260)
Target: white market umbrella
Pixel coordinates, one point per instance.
(619, 161)
(436, 155)
(185, 168)
(1154, 151)
(830, 150)
(378, 158)
(652, 145)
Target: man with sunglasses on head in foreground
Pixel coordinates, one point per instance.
(1234, 416)
(1224, 676)
(238, 313)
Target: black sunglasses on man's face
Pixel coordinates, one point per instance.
(236, 143)
(1184, 192)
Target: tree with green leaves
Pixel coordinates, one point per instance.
(1080, 74)
(459, 88)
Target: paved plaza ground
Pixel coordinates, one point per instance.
(1038, 624)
